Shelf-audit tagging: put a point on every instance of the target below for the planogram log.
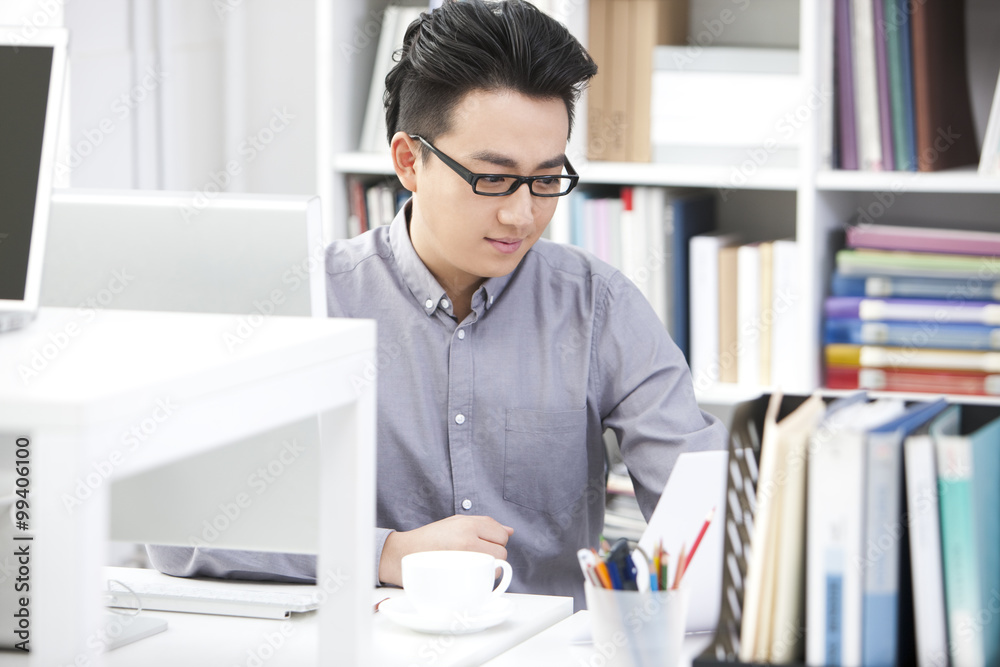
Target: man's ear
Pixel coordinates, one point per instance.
(404, 157)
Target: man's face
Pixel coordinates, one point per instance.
(464, 237)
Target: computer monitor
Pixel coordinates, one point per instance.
(240, 254)
(32, 76)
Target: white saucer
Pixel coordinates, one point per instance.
(401, 611)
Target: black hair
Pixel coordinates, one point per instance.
(469, 45)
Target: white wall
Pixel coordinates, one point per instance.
(193, 95)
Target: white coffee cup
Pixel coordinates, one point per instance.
(452, 582)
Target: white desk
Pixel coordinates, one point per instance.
(76, 382)
(196, 639)
(561, 646)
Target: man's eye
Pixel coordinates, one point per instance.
(494, 179)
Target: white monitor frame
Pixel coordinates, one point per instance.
(236, 253)
(57, 39)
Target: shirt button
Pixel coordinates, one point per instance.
(444, 303)
(467, 504)
(461, 334)
(429, 303)
(459, 419)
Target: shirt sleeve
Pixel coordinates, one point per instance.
(646, 393)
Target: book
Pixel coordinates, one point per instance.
(914, 287)
(748, 314)
(774, 586)
(689, 215)
(844, 76)
(891, 28)
(903, 334)
(916, 264)
(923, 239)
(989, 157)
(876, 356)
(835, 525)
(973, 383)
(945, 132)
(883, 84)
(621, 60)
(884, 529)
(395, 21)
(866, 107)
(986, 501)
(704, 300)
(785, 298)
(930, 310)
(794, 433)
(728, 329)
(902, 17)
(955, 441)
(923, 520)
(766, 314)
(596, 92)
(651, 205)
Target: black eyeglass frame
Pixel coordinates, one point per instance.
(472, 178)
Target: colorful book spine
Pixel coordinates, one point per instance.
(875, 356)
(913, 310)
(881, 550)
(894, 66)
(923, 239)
(930, 624)
(848, 134)
(906, 334)
(958, 540)
(913, 380)
(917, 264)
(902, 16)
(914, 287)
(882, 74)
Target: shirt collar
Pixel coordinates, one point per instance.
(421, 282)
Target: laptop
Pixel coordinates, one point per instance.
(32, 78)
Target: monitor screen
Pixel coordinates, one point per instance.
(25, 75)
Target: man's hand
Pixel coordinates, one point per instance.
(456, 533)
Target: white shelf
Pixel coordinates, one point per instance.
(375, 164)
(613, 173)
(965, 181)
(709, 176)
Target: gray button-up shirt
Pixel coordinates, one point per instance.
(502, 414)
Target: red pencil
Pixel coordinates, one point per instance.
(701, 534)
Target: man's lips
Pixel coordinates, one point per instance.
(506, 245)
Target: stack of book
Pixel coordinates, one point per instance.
(901, 86)
(621, 39)
(916, 310)
(644, 232)
(373, 204)
(876, 530)
(744, 300)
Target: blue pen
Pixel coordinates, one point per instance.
(615, 574)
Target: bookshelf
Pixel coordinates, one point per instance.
(808, 203)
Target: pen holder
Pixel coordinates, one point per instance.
(633, 629)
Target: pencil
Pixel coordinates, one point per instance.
(701, 534)
(681, 560)
(602, 574)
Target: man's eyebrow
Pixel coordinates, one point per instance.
(509, 163)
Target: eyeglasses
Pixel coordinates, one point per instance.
(499, 185)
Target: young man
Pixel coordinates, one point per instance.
(510, 355)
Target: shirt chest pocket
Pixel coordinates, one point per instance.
(545, 458)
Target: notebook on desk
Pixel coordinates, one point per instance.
(128, 588)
